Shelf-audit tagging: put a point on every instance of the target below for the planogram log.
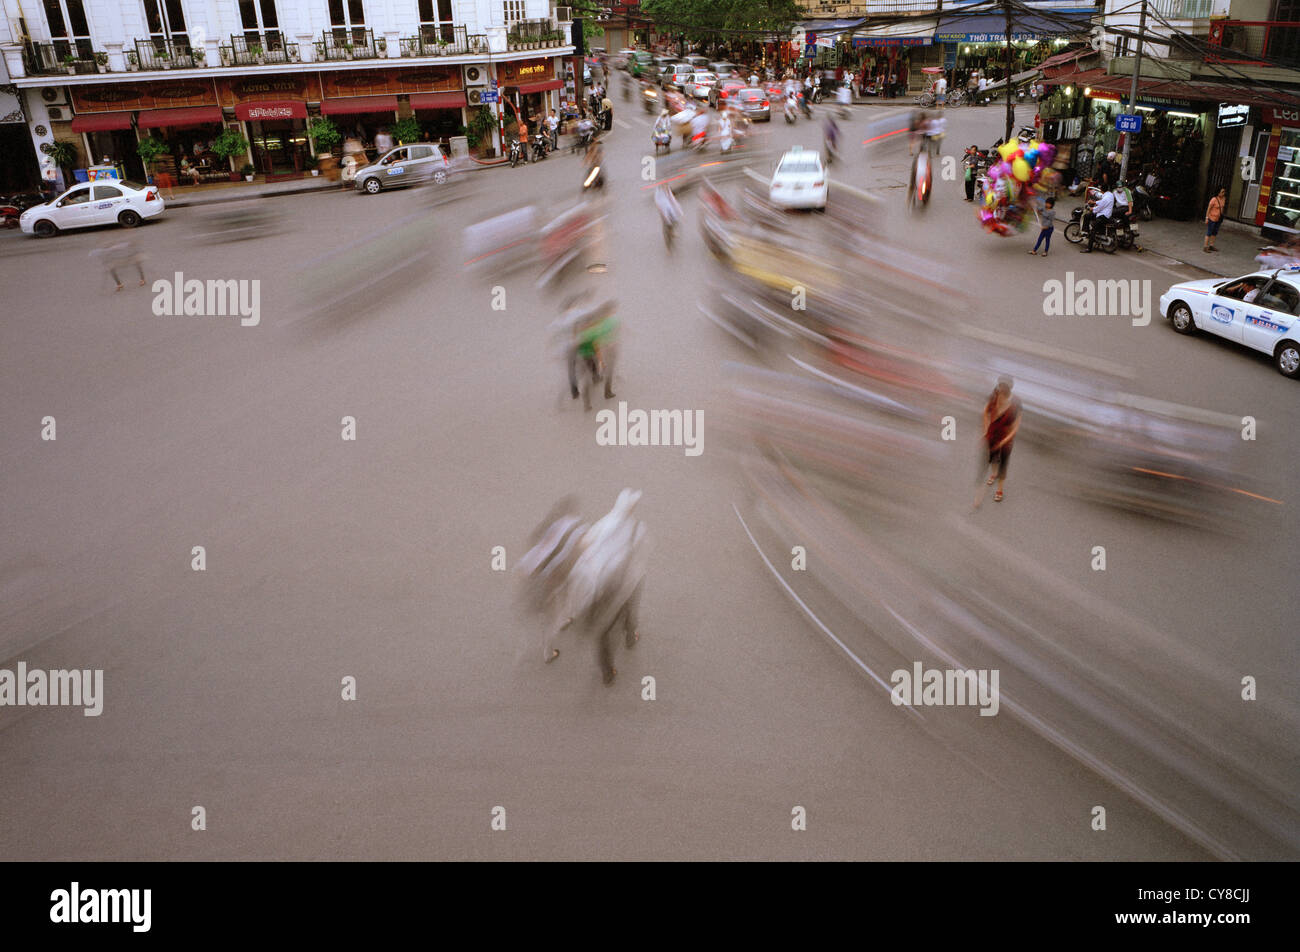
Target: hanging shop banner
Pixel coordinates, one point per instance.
(122, 97)
(1281, 116)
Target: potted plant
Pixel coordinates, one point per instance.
(228, 145)
(70, 62)
(64, 155)
(132, 62)
(198, 55)
(247, 171)
(347, 51)
(313, 162)
(227, 55)
(407, 130)
(150, 150)
(324, 133)
(381, 45)
(101, 61)
(442, 46)
(479, 131)
(255, 51)
(164, 59)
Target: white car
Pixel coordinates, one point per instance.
(103, 202)
(800, 181)
(701, 83)
(1258, 310)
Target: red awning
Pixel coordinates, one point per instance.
(541, 86)
(105, 122)
(438, 100)
(191, 116)
(271, 110)
(1067, 59)
(355, 105)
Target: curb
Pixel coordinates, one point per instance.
(186, 203)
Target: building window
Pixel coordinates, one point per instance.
(513, 10)
(348, 17)
(69, 30)
(436, 21)
(166, 19)
(261, 24)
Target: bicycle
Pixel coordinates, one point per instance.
(925, 100)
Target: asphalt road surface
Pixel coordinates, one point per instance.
(371, 559)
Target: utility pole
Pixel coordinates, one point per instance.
(1011, 109)
(1133, 92)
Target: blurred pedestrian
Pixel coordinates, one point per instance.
(120, 258)
(553, 127)
(1046, 223)
(1001, 422)
(970, 162)
(606, 113)
(383, 141)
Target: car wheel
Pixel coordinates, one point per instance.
(1180, 316)
(44, 228)
(128, 218)
(440, 177)
(1073, 233)
(1288, 359)
(372, 186)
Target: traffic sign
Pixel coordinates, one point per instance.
(1128, 123)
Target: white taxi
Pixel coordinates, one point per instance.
(1258, 310)
(799, 181)
(103, 202)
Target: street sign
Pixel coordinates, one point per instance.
(488, 95)
(1231, 116)
(1128, 123)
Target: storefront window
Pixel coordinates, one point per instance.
(1284, 200)
(436, 21)
(166, 19)
(68, 28)
(348, 15)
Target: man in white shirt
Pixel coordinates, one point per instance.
(383, 141)
(1095, 220)
(940, 91)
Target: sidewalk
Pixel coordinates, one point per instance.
(217, 192)
(1183, 241)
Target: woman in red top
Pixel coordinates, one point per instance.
(1001, 421)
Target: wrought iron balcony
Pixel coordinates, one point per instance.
(43, 59)
(160, 52)
(345, 44)
(1254, 43)
(258, 49)
(1183, 9)
(446, 40)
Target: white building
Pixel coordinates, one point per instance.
(104, 74)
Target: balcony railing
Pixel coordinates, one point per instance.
(345, 44)
(535, 34)
(446, 40)
(162, 53)
(50, 58)
(1183, 9)
(1254, 43)
(259, 49)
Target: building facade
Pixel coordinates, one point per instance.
(101, 75)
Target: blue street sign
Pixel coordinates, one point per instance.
(489, 95)
(1128, 123)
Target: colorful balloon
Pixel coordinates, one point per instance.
(1020, 169)
(1008, 149)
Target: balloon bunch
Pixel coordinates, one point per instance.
(1025, 167)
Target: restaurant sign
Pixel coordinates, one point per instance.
(526, 71)
(122, 97)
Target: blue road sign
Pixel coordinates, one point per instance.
(1128, 123)
(489, 95)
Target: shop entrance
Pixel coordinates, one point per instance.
(279, 146)
(120, 147)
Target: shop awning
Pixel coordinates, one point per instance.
(355, 105)
(288, 109)
(992, 27)
(1069, 60)
(190, 116)
(1157, 92)
(906, 33)
(541, 86)
(438, 100)
(105, 122)
(830, 26)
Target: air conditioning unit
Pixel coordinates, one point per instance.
(54, 95)
(58, 113)
(564, 14)
(475, 97)
(476, 76)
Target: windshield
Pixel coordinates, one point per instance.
(798, 166)
(135, 185)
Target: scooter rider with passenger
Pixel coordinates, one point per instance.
(1097, 217)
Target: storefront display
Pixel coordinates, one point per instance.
(1284, 197)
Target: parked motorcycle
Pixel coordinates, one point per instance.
(1142, 203)
(541, 145)
(516, 152)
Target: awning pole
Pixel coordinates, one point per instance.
(1011, 109)
(1133, 93)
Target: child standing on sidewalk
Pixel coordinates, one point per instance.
(1047, 222)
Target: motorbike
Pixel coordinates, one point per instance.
(1142, 203)
(805, 106)
(1107, 238)
(541, 145)
(791, 112)
(664, 139)
(649, 98)
(918, 192)
(516, 152)
(1126, 232)
(595, 180)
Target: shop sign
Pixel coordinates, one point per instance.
(511, 74)
(999, 38)
(859, 42)
(233, 92)
(271, 112)
(1280, 116)
(1231, 116)
(120, 97)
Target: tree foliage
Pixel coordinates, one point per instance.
(723, 20)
